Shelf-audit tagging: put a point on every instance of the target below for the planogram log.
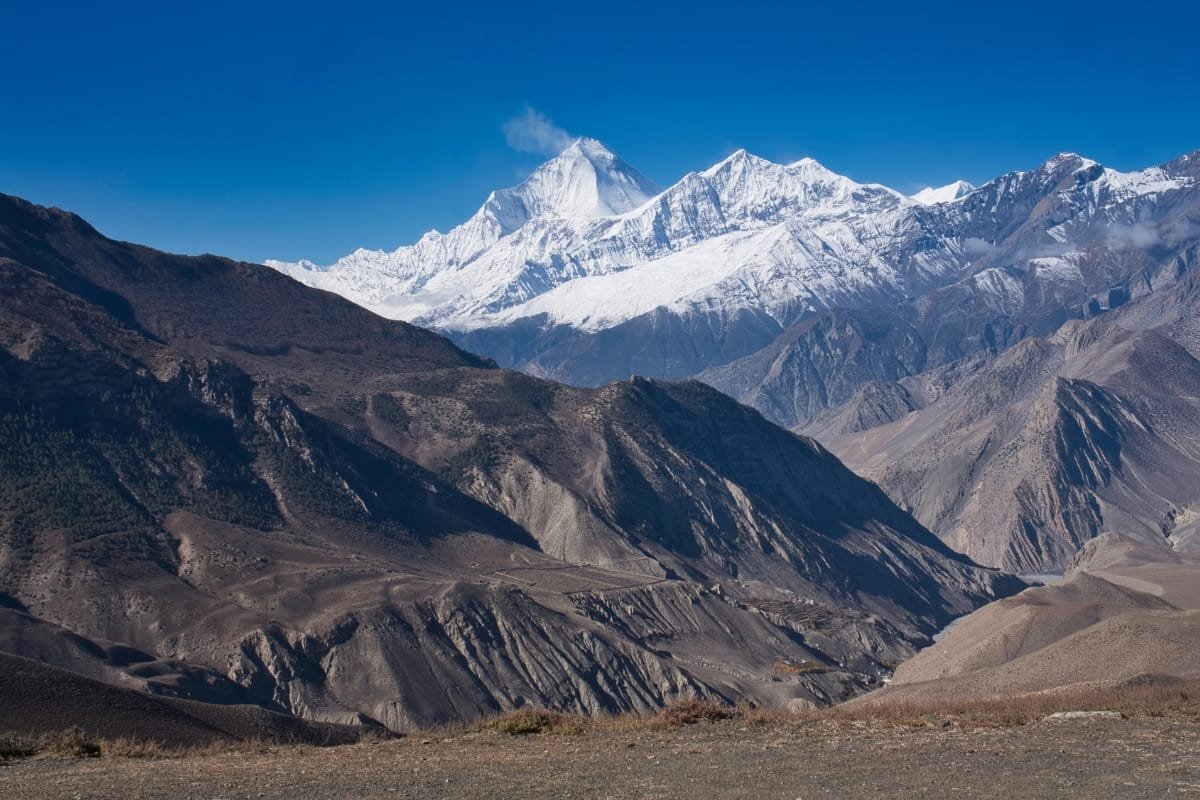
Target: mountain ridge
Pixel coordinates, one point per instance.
(714, 277)
(347, 518)
(1022, 456)
(741, 193)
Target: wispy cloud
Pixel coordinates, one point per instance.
(534, 132)
(1137, 235)
(974, 246)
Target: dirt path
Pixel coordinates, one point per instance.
(1138, 758)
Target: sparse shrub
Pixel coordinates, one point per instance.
(131, 747)
(14, 745)
(1150, 697)
(760, 717)
(690, 712)
(535, 721)
(224, 747)
(375, 735)
(71, 743)
(798, 667)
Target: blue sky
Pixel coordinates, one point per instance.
(294, 130)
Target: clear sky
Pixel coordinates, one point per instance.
(289, 130)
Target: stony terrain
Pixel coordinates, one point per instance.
(1140, 757)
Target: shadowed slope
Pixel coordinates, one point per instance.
(1019, 458)
(37, 699)
(347, 516)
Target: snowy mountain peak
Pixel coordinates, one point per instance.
(813, 171)
(741, 156)
(742, 176)
(1187, 165)
(742, 159)
(590, 149)
(943, 194)
(1064, 157)
(588, 242)
(585, 180)
(1068, 162)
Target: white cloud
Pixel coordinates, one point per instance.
(534, 132)
(974, 246)
(1137, 235)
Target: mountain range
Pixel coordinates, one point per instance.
(739, 260)
(218, 484)
(1019, 457)
(834, 308)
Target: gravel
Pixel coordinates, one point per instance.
(1142, 757)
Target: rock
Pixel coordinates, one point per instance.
(1061, 716)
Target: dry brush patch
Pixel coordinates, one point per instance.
(1148, 697)
(691, 712)
(793, 668)
(74, 742)
(13, 745)
(525, 722)
(71, 743)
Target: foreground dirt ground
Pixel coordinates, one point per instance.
(1146, 757)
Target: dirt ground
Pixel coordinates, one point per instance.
(1147, 757)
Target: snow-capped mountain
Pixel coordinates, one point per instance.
(780, 236)
(588, 272)
(748, 231)
(1068, 240)
(943, 194)
(571, 192)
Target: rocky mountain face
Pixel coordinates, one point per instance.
(219, 484)
(787, 286)
(1127, 613)
(1070, 240)
(1019, 457)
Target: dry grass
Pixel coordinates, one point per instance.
(676, 715)
(690, 712)
(527, 722)
(798, 667)
(14, 745)
(1151, 698)
(71, 743)
(132, 747)
(75, 743)
(535, 721)
(769, 717)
